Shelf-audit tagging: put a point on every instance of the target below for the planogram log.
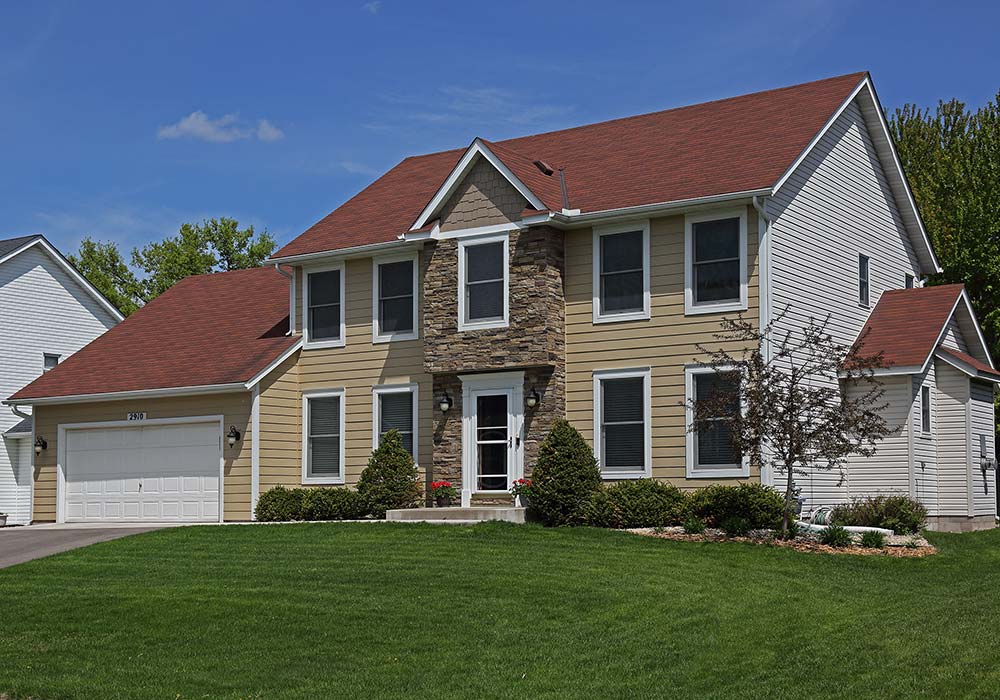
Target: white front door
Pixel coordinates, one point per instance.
(492, 425)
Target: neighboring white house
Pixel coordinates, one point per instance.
(48, 311)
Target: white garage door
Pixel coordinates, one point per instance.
(154, 472)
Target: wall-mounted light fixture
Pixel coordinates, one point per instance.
(40, 445)
(445, 403)
(232, 436)
(533, 398)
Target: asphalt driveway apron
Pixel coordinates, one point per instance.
(21, 544)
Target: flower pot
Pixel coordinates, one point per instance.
(443, 501)
(521, 501)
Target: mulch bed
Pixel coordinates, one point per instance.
(900, 550)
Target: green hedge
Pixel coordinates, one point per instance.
(901, 514)
(280, 504)
(759, 506)
(640, 503)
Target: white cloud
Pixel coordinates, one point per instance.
(225, 129)
(356, 168)
(372, 7)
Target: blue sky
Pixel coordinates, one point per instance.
(123, 120)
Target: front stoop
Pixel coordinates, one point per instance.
(480, 514)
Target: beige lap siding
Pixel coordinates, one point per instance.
(356, 367)
(234, 407)
(665, 343)
(281, 426)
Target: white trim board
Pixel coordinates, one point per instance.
(123, 395)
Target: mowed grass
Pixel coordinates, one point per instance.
(356, 610)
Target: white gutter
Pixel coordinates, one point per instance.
(359, 251)
(139, 394)
(651, 209)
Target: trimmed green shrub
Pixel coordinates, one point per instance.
(835, 536)
(332, 504)
(735, 526)
(760, 506)
(279, 504)
(391, 479)
(694, 526)
(565, 478)
(872, 539)
(901, 514)
(639, 503)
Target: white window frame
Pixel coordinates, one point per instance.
(380, 389)
(930, 410)
(307, 343)
(867, 301)
(464, 325)
(647, 417)
(377, 262)
(690, 307)
(692, 470)
(610, 230)
(323, 394)
(46, 356)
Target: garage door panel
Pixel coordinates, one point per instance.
(158, 472)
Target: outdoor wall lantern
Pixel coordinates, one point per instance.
(233, 435)
(40, 445)
(445, 404)
(533, 398)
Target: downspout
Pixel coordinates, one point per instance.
(291, 296)
(764, 295)
(19, 413)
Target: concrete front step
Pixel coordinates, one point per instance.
(508, 514)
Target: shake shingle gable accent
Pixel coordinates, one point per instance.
(218, 330)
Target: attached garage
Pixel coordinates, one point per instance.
(162, 471)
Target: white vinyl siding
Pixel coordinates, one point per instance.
(984, 499)
(952, 441)
(953, 337)
(888, 471)
(925, 444)
(15, 480)
(836, 204)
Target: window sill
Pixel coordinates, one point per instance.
(395, 337)
(715, 308)
(626, 316)
(321, 481)
(482, 325)
(623, 476)
(718, 473)
(319, 344)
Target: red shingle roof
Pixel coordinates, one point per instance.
(975, 364)
(733, 145)
(209, 329)
(906, 324)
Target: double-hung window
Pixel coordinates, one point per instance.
(323, 437)
(49, 361)
(925, 410)
(715, 255)
(394, 293)
(864, 285)
(710, 449)
(395, 408)
(324, 302)
(622, 432)
(483, 283)
(621, 272)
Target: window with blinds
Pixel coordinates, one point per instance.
(714, 444)
(623, 425)
(325, 459)
(395, 412)
(325, 305)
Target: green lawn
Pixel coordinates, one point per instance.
(326, 610)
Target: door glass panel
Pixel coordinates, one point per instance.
(491, 442)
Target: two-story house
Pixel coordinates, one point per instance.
(48, 311)
(470, 297)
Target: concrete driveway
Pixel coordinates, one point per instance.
(21, 544)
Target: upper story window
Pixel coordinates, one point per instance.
(622, 432)
(925, 409)
(710, 449)
(863, 280)
(394, 296)
(908, 281)
(49, 361)
(715, 257)
(483, 283)
(621, 272)
(323, 437)
(395, 408)
(324, 303)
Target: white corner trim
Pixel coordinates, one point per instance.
(254, 451)
(377, 336)
(692, 308)
(411, 388)
(68, 268)
(307, 343)
(463, 324)
(692, 470)
(645, 373)
(461, 170)
(321, 394)
(611, 230)
(276, 362)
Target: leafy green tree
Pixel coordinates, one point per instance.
(215, 245)
(951, 157)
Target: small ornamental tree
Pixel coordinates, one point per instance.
(565, 477)
(391, 479)
(808, 401)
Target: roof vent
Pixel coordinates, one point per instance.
(544, 167)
